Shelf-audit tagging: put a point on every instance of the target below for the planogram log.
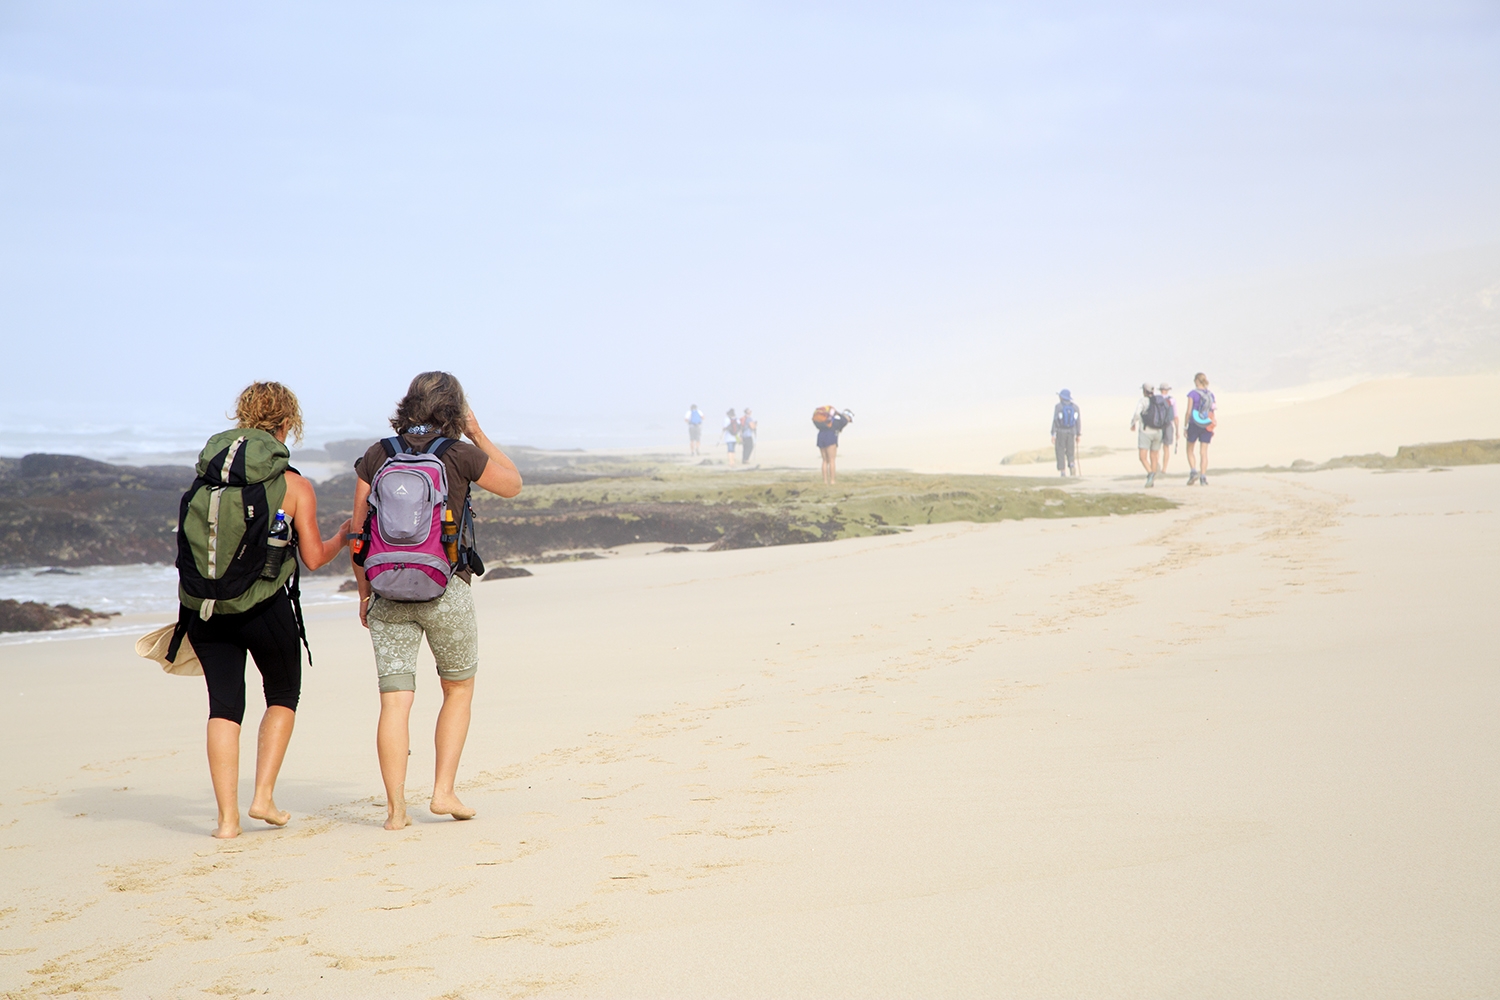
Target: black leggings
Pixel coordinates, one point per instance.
(267, 632)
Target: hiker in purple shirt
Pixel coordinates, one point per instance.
(1201, 420)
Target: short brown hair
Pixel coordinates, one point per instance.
(434, 400)
(269, 406)
(1200, 379)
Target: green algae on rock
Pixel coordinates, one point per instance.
(733, 510)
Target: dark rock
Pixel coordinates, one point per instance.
(505, 573)
(31, 616)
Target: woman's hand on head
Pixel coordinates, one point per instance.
(471, 427)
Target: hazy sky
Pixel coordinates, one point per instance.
(598, 213)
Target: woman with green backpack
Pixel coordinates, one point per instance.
(243, 524)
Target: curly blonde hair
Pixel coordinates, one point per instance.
(269, 406)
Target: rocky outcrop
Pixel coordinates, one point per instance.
(62, 510)
(29, 616)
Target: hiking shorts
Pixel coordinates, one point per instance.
(695, 432)
(397, 628)
(1197, 432)
(1148, 439)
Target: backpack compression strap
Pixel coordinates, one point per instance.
(294, 591)
(184, 615)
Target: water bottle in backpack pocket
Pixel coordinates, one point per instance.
(405, 558)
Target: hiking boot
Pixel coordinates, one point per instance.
(1202, 480)
(1150, 479)
(1192, 477)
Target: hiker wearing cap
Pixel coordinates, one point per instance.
(1168, 433)
(1150, 419)
(1199, 425)
(1067, 431)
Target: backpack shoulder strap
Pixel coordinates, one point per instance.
(439, 446)
(393, 446)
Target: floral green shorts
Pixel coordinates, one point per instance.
(397, 627)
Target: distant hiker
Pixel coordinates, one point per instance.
(1200, 423)
(414, 562)
(1169, 432)
(1067, 431)
(748, 427)
(1152, 415)
(244, 523)
(731, 435)
(694, 421)
(830, 421)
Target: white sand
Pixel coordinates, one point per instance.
(1245, 748)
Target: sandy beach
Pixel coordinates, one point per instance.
(1241, 748)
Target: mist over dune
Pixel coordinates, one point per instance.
(597, 218)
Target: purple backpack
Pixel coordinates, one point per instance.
(405, 559)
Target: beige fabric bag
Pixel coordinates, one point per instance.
(153, 646)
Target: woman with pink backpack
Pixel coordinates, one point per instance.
(414, 562)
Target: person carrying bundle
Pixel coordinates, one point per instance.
(830, 422)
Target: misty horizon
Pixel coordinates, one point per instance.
(596, 217)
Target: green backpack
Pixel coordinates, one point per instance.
(222, 526)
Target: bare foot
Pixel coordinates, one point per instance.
(395, 822)
(448, 805)
(269, 813)
(228, 829)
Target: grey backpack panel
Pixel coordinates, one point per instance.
(405, 491)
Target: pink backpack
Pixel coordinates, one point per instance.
(404, 557)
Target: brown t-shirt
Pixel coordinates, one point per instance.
(463, 462)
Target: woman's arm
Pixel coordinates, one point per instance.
(500, 477)
(314, 549)
(361, 508)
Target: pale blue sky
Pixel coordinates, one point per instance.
(598, 213)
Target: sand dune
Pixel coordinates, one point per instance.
(1240, 748)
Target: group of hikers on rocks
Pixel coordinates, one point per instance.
(737, 431)
(830, 421)
(1157, 428)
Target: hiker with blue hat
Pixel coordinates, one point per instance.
(1067, 431)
